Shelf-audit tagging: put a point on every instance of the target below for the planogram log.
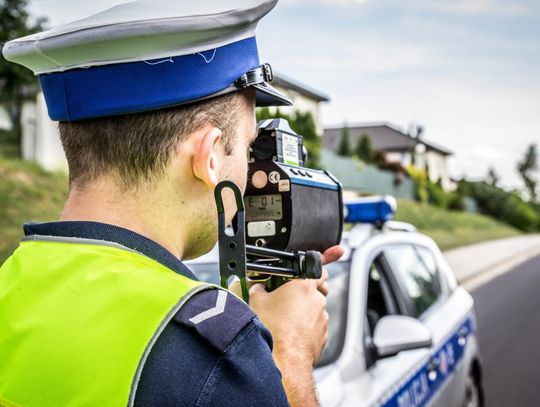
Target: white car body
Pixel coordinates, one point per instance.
(438, 375)
(445, 373)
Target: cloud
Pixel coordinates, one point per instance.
(344, 2)
(471, 7)
(478, 6)
(284, 3)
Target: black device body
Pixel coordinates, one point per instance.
(288, 215)
(289, 207)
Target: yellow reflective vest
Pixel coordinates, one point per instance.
(78, 319)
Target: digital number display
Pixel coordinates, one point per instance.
(263, 207)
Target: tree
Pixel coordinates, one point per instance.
(492, 177)
(344, 148)
(304, 125)
(526, 167)
(364, 148)
(17, 83)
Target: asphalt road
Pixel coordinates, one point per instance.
(508, 312)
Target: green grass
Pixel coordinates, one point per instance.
(27, 193)
(450, 228)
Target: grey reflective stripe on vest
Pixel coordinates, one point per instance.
(63, 239)
(172, 312)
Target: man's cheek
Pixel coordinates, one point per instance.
(244, 177)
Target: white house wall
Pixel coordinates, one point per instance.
(29, 131)
(5, 122)
(436, 163)
(404, 158)
(40, 138)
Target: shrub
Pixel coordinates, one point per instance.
(421, 182)
(436, 195)
(456, 201)
(506, 206)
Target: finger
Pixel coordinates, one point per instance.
(322, 283)
(324, 275)
(324, 288)
(332, 254)
(257, 288)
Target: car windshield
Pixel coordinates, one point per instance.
(336, 305)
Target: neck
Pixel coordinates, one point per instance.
(147, 212)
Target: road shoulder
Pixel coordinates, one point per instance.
(477, 264)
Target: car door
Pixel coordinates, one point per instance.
(382, 376)
(367, 379)
(430, 300)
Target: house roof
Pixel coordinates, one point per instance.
(384, 136)
(288, 83)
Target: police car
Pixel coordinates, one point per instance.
(401, 330)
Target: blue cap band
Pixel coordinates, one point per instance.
(111, 90)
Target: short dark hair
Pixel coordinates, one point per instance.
(137, 147)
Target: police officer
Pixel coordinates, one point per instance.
(155, 101)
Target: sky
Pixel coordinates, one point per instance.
(468, 71)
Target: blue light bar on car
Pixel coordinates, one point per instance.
(373, 209)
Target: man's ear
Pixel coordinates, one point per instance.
(207, 154)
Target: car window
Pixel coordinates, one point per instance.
(381, 300)
(416, 271)
(427, 258)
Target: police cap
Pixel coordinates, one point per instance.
(147, 55)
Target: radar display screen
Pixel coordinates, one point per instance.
(263, 207)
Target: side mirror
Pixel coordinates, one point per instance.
(396, 333)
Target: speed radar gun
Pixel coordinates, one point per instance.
(288, 216)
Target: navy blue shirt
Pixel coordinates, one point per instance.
(203, 357)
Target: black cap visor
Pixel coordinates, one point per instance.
(267, 95)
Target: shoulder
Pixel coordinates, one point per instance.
(214, 346)
(216, 315)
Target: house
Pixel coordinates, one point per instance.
(398, 146)
(305, 98)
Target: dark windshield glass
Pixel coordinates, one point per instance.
(207, 272)
(337, 309)
(336, 305)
